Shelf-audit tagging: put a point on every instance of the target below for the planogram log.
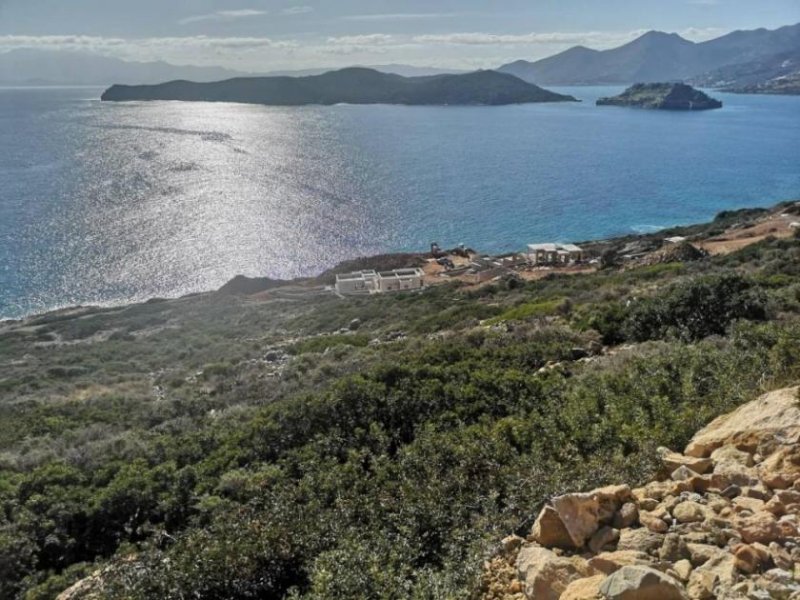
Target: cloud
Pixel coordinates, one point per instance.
(399, 16)
(371, 39)
(106, 45)
(591, 38)
(223, 15)
(704, 2)
(297, 10)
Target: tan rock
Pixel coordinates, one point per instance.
(732, 454)
(689, 512)
(701, 585)
(610, 499)
(702, 553)
(641, 583)
(782, 469)
(683, 570)
(580, 515)
(760, 527)
(545, 575)
(549, 530)
(609, 562)
(511, 544)
(602, 538)
(744, 503)
(652, 522)
(627, 516)
(776, 414)
(674, 460)
(748, 560)
(673, 549)
(733, 473)
(584, 589)
(641, 540)
(780, 557)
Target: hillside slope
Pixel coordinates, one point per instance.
(655, 57)
(292, 443)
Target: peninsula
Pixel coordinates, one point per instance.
(349, 86)
(662, 96)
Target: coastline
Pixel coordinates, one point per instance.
(712, 236)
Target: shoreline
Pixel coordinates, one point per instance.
(705, 235)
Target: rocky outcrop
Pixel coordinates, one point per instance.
(662, 96)
(722, 521)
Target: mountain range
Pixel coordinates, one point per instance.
(30, 66)
(656, 57)
(351, 86)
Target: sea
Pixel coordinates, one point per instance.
(104, 203)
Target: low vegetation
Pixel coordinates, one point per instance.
(221, 447)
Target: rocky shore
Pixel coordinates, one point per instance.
(721, 521)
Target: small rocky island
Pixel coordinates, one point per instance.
(662, 96)
(349, 86)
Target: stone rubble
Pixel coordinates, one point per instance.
(722, 521)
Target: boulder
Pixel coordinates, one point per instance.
(689, 512)
(627, 516)
(683, 570)
(760, 527)
(584, 589)
(640, 540)
(609, 562)
(701, 585)
(580, 515)
(544, 575)
(610, 499)
(549, 530)
(772, 416)
(673, 549)
(673, 460)
(602, 538)
(642, 583)
(732, 454)
(782, 469)
(653, 522)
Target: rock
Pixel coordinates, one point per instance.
(549, 530)
(627, 516)
(743, 503)
(545, 575)
(748, 560)
(653, 522)
(673, 549)
(732, 454)
(683, 569)
(354, 324)
(673, 460)
(662, 96)
(760, 527)
(584, 589)
(610, 499)
(609, 562)
(641, 540)
(775, 416)
(732, 491)
(781, 469)
(701, 585)
(511, 544)
(780, 557)
(580, 515)
(683, 473)
(603, 537)
(641, 583)
(702, 553)
(689, 512)
(733, 473)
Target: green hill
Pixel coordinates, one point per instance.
(662, 96)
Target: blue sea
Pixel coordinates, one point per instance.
(111, 203)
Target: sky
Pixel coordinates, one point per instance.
(265, 35)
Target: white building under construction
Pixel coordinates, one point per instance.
(379, 282)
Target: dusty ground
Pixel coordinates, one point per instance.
(776, 224)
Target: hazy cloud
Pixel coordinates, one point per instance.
(297, 10)
(399, 16)
(223, 15)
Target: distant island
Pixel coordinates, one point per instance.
(349, 86)
(779, 74)
(662, 96)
